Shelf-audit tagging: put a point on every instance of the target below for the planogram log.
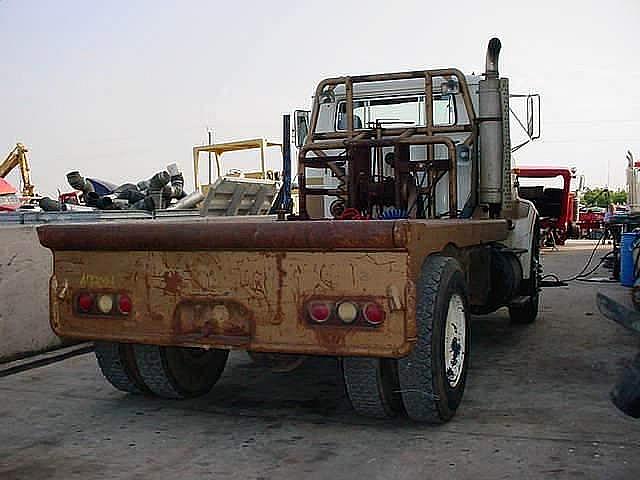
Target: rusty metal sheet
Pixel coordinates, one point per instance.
(426, 237)
(251, 234)
(248, 300)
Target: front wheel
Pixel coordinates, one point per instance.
(527, 311)
(433, 376)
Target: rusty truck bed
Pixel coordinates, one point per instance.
(244, 282)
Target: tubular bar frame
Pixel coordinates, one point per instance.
(429, 135)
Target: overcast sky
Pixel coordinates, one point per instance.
(119, 89)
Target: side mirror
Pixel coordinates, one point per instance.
(533, 116)
(301, 126)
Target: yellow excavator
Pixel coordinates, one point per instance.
(18, 158)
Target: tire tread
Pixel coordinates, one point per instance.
(416, 372)
(153, 371)
(362, 379)
(113, 366)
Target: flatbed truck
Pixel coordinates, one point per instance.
(416, 228)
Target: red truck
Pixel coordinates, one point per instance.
(557, 206)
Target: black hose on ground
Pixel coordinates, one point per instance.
(580, 276)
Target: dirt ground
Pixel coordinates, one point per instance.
(536, 406)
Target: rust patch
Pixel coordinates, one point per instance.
(331, 339)
(229, 234)
(172, 282)
(279, 317)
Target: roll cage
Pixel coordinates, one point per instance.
(358, 163)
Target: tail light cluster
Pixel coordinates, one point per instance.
(345, 312)
(112, 304)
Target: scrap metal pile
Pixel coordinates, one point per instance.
(163, 190)
(235, 193)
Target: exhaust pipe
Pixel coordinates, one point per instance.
(493, 52)
(491, 141)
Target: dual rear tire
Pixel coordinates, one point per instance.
(167, 372)
(428, 383)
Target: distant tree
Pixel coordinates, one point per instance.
(619, 197)
(601, 197)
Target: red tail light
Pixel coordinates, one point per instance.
(319, 311)
(85, 302)
(373, 313)
(124, 304)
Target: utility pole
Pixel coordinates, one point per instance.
(210, 137)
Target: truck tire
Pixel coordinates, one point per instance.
(626, 394)
(372, 386)
(179, 372)
(433, 375)
(527, 312)
(116, 366)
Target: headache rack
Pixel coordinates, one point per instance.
(359, 149)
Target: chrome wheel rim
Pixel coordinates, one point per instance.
(455, 340)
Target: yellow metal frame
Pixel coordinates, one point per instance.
(221, 148)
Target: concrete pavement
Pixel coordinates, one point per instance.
(536, 406)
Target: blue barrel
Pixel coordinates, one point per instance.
(627, 257)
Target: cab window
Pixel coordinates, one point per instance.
(409, 111)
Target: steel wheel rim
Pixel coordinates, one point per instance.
(455, 337)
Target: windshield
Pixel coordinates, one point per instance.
(368, 113)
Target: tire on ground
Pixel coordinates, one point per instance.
(179, 372)
(527, 312)
(116, 366)
(372, 386)
(431, 391)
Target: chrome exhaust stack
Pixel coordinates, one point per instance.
(491, 141)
